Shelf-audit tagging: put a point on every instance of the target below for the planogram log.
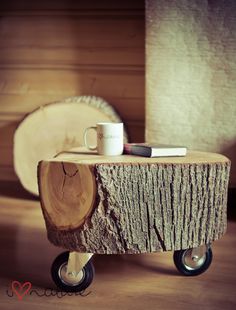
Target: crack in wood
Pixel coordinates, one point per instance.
(66, 173)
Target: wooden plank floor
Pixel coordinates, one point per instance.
(129, 282)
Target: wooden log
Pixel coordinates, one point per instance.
(130, 204)
(53, 128)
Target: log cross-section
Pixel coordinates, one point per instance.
(130, 204)
(70, 197)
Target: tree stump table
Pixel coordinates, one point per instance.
(130, 204)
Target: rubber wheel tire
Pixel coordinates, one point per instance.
(185, 269)
(57, 276)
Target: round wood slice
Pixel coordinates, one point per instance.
(53, 128)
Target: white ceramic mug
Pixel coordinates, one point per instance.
(109, 138)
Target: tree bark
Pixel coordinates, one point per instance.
(130, 204)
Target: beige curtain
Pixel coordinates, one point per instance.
(191, 75)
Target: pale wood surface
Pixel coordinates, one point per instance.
(53, 128)
(56, 49)
(80, 155)
(145, 281)
(132, 204)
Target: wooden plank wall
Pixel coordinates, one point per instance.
(50, 50)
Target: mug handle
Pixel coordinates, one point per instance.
(92, 148)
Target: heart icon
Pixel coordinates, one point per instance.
(20, 289)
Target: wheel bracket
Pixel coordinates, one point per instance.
(76, 262)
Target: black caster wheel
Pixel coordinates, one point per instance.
(72, 283)
(192, 265)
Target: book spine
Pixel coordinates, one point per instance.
(127, 149)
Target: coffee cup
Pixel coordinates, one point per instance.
(109, 138)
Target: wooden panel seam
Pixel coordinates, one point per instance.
(76, 12)
(74, 67)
